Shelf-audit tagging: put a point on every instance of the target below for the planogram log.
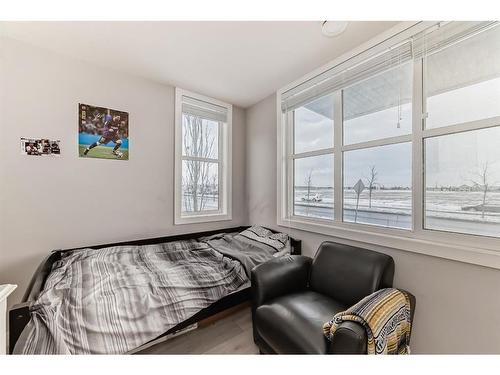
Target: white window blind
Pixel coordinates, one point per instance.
(369, 64)
(346, 74)
(475, 49)
(445, 34)
(203, 109)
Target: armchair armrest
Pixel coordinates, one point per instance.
(278, 277)
(351, 338)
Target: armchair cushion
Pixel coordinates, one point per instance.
(292, 324)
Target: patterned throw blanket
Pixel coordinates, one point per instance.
(113, 300)
(385, 315)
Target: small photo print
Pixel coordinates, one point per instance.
(102, 133)
(40, 147)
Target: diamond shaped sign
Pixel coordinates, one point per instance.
(359, 187)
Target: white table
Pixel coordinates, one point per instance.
(5, 291)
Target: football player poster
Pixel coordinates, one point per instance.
(102, 133)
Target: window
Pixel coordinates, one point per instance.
(400, 143)
(462, 152)
(313, 159)
(462, 182)
(377, 186)
(377, 176)
(203, 154)
(313, 186)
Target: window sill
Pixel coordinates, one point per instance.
(375, 238)
(208, 218)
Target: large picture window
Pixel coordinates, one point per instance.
(202, 159)
(399, 141)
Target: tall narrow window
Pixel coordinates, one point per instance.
(313, 159)
(203, 175)
(462, 130)
(377, 160)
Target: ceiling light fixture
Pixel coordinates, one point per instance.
(333, 28)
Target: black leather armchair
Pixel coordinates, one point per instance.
(294, 296)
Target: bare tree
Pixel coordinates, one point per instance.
(482, 182)
(371, 181)
(214, 186)
(198, 142)
(308, 181)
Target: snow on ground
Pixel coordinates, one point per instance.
(439, 204)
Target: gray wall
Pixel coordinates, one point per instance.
(457, 303)
(50, 203)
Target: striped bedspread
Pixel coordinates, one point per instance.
(113, 300)
(385, 315)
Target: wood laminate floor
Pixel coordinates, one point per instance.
(229, 335)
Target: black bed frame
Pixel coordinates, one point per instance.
(19, 315)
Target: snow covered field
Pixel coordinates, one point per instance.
(443, 209)
(392, 208)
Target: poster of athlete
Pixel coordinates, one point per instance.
(102, 133)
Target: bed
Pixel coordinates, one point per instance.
(142, 290)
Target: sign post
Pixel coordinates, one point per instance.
(358, 188)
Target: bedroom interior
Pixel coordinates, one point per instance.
(249, 187)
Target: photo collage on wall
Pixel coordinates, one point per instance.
(40, 147)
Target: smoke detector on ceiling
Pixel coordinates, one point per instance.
(333, 28)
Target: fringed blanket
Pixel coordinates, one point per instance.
(385, 315)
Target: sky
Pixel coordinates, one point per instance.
(449, 160)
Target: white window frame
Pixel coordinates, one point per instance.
(224, 160)
(474, 249)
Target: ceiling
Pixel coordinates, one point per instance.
(238, 62)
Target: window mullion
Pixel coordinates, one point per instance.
(290, 170)
(378, 142)
(309, 154)
(201, 159)
(221, 172)
(338, 155)
(462, 127)
(417, 147)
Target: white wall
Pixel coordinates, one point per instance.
(51, 203)
(457, 303)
